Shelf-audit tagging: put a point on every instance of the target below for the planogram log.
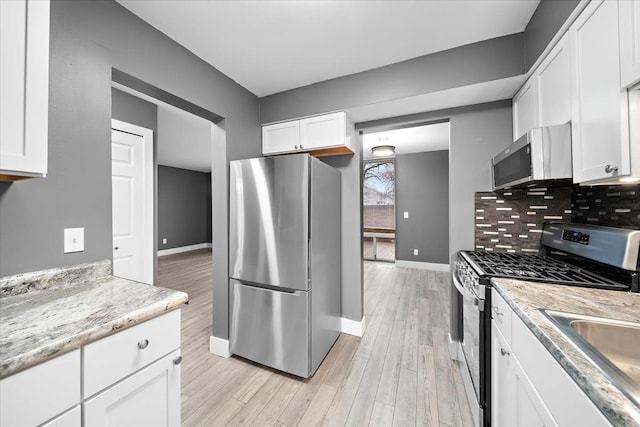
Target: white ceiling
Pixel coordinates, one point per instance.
(415, 139)
(271, 46)
(184, 140)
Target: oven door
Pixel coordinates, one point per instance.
(473, 346)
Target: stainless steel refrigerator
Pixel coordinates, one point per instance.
(284, 261)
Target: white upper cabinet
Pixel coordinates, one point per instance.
(545, 99)
(600, 133)
(629, 20)
(281, 137)
(553, 86)
(325, 135)
(24, 83)
(525, 109)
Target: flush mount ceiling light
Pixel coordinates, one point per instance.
(383, 150)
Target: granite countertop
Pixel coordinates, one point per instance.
(525, 298)
(41, 319)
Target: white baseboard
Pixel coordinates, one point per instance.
(455, 349)
(422, 265)
(219, 346)
(181, 249)
(353, 327)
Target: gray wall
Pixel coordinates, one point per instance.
(182, 207)
(543, 25)
(88, 38)
(351, 223)
(131, 109)
(422, 189)
(475, 63)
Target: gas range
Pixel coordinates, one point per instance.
(575, 255)
(546, 269)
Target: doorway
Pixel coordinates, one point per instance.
(405, 194)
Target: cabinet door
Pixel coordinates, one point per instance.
(524, 109)
(501, 379)
(528, 407)
(629, 19)
(40, 393)
(553, 83)
(324, 131)
(24, 83)
(72, 418)
(600, 139)
(148, 398)
(281, 137)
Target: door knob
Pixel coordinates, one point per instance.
(177, 360)
(142, 344)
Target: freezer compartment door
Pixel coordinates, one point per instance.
(268, 221)
(270, 327)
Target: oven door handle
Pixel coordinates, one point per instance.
(460, 287)
(477, 303)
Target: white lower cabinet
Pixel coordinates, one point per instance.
(39, 394)
(131, 378)
(515, 402)
(150, 397)
(528, 386)
(72, 418)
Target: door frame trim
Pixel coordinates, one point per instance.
(147, 202)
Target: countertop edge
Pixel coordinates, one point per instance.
(614, 412)
(42, 354)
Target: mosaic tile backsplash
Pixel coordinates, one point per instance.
(612, 206)
(512, 220)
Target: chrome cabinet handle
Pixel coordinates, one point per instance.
(142, 344)
(296, 147)
(504, 352)
(301, 146)
(498, 313)
(177, 360)
(610, 169)
(116, 248)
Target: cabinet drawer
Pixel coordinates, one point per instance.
(37, 394)
(501, 315)
(111, 359)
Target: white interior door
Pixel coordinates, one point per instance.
(132, 196)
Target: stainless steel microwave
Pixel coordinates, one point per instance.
(540, 157)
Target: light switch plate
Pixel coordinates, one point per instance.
(73, 240)
(415, 252)
(406, 214)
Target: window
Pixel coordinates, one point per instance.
(379, 213)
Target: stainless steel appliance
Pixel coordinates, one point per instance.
(542, 156)
(284, 261)
(574, 255)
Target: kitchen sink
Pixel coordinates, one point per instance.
(613, 346)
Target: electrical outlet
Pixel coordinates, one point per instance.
(406, 214)
(164, 241)
(415, 252)
(73, 240)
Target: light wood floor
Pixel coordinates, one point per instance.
(398, 374)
